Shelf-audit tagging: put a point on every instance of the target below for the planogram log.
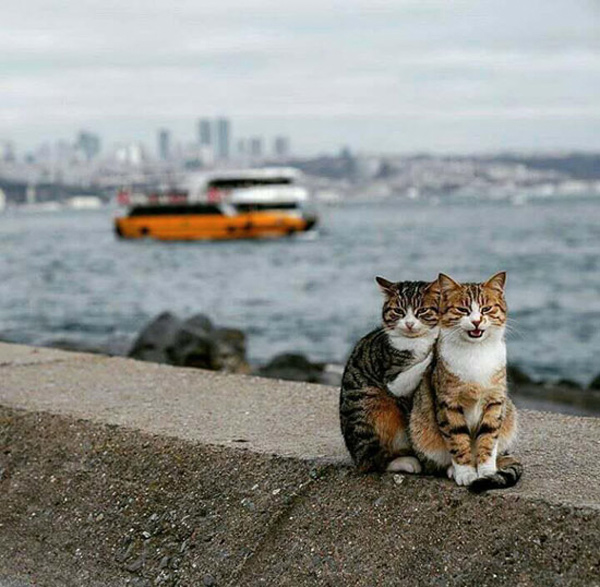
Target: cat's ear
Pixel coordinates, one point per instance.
(447, 284)
(497, 281)
(434, 287)
(387, 287)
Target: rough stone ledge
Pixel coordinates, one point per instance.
(114, 472)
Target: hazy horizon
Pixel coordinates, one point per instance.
(399, 77)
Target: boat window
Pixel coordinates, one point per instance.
(248, 182)
(256, 207)
(175, 210)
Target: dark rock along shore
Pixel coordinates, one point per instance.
(196, 342)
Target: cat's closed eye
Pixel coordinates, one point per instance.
(464, 311)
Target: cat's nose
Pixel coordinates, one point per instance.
(476, 323)
(410, 325)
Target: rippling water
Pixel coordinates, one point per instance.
(65, 276)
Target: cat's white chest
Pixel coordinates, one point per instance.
(474, 363)
(407, 381)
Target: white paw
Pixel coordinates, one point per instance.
(450, 472)
(464, 474)
(487, 468)
(405, 465)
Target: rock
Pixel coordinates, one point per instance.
(595, 383)
(136, 565)
(125, 552)
(154, 340)
(208, 581)
(196, 342)
(199, 344)
(248, 504)
(230, 351)
(293, 367)
(72, 345)
(193, 343)
(568, 383)
(117, 345)
(518, 377)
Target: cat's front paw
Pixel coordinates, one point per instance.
(464, 474)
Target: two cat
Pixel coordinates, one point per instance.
(443, 343)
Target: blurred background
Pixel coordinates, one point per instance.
(431, 136)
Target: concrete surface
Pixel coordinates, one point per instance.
(17, 354)
(287, 418)
(116, 472)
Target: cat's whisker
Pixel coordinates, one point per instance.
(513, 330)
(455, 332)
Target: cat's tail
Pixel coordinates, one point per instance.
(508, 473)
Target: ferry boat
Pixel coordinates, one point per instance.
(253, 203)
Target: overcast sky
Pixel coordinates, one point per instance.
(402, 75)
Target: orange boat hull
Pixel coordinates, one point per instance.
(212, 227)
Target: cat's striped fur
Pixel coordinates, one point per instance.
(382, 373)
(462, 419)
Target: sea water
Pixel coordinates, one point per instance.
(64, 276)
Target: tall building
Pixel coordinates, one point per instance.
(88, 143)
(204, 133)
(256, 147)
(9, 152)
(281, 147)
(164, 144)
(223, 138)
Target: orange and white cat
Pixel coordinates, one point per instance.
(462, 419)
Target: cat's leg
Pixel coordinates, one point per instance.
(457, 438)
(425, 436)
(405, 462)
(509, 469)
(508, 430)
(390, 421)
(439, 431)
(374, 428)
(486, 437)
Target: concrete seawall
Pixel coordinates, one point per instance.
(115, 472)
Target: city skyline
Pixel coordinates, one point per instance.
(214, 142)
(378, 76)
(163, 144)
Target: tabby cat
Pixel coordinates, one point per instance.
(382, 373)
(462, 419)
